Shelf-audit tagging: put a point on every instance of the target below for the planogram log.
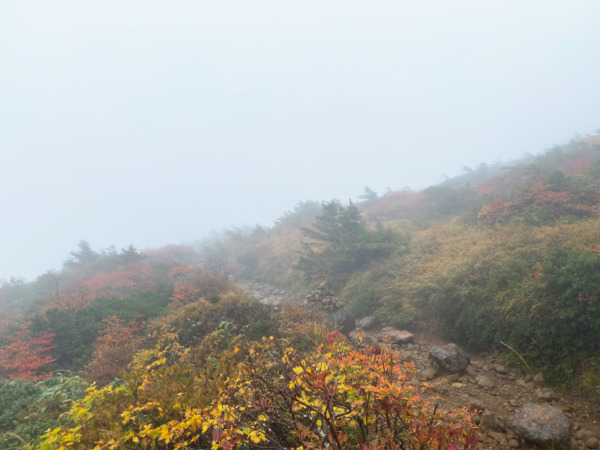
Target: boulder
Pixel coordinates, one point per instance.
(341, 319)
(489, 421)
(367, 341)
(449, 358)
(393, 336)
(368, 323)
(543, 425)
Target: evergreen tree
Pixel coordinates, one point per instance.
(339, 243)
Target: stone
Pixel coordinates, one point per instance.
(389, 334)
(499, 368)
(513, 443)
(367, 341)
(449, 358)
(342, 319)
(271, 301)
(476, 405)
(546, 395)
(484, 382)
(543, 425)
(453, 377)
(498, 437)
(368, 323)
(592, 442)
(521, 382)
(491, 422)
(584, 435)
(427, 374)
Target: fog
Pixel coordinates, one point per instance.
(155, 122)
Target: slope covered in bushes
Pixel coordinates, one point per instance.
(498, 255)
(160, 348)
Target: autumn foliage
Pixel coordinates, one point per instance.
(26, 357)
(78, 295)
(114, 349)
(229, 393)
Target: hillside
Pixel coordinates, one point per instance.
(160, 348)
(481, 260)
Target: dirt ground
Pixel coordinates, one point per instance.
(499, 392)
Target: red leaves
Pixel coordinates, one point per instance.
(135, 276)
(25, 357)
(555, 201)
(192, 285)
(114, 349)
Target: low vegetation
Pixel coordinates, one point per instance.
(160, 349)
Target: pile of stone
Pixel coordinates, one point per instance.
(323, 299)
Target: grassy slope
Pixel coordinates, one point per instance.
(530, 279)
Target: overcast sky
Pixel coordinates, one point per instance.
(155, 122)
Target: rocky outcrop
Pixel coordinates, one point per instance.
(323, 299)
(449, 358)
(368, 323)
(393, 336)
(336, 314)
(341, 319)
(266, 294)
(543, 425)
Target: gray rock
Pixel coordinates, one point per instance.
(389, 334)
(427, 374)
(367, 341)
(498, 437)
(341, 319)
(271, 301)
(499, 368)
(368, 323)
(484, 382)
(543, 425)
(513, 443)
(546, 395)
(584, 435)
(449, 358)
(491, 422)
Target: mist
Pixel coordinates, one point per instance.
(150, 123)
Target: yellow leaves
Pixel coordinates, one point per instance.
(164, 434)
(126, 415)
(322, 367)
(327, 388)
(157, 363)
(257, 437)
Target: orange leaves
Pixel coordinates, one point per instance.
(113, 350)
(136, 276)
(263, 394)
(554, 200)
(338, 397)
(192, 285)
(25, 357)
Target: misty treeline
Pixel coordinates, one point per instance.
(502, 253)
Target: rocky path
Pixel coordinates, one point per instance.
(503, 397)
